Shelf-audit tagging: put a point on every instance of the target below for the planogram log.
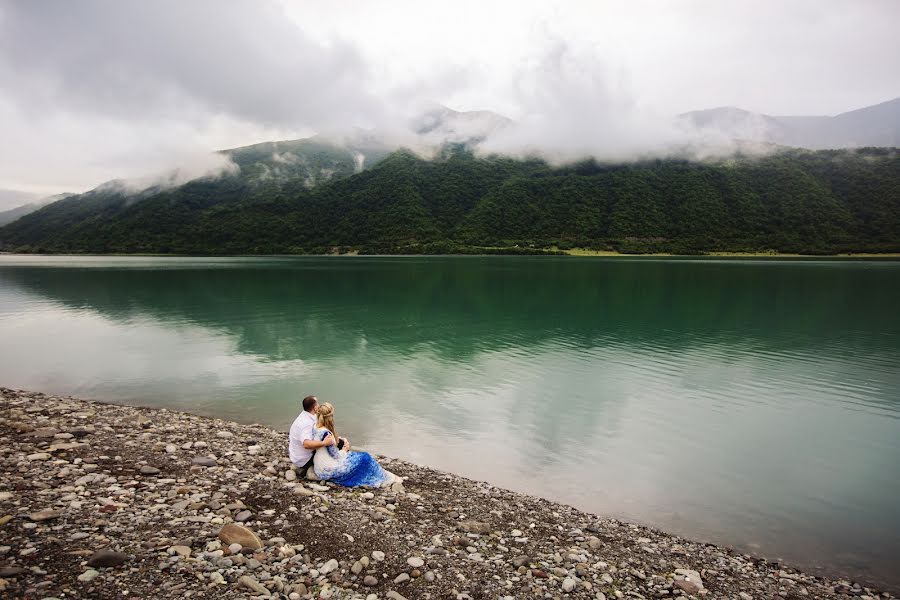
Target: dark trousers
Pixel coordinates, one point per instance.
(308, 464)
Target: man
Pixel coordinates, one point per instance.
(301, 445)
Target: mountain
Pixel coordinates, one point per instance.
(359, 192)
(872, 126)
(440, 125)
(15, 198)
(8, 216)
(789, 201)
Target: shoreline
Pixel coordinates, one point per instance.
(553, 252)
(105, 500)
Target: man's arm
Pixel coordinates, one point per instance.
(315, 445)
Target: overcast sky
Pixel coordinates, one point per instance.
(94, 90)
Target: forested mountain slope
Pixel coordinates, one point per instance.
(790, 201)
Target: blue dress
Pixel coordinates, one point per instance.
(348, 468)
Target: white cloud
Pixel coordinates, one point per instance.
(96, 90)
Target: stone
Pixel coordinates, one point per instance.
(203, 461)
(148, 470)
(290, 475)
(254, 586)
(224, 434)
(520, 560)
(238, 534)
(378, 555)
(39, 456)
(44, 515)
(415, 562)
(7, 572)
(242, 516)
(317, 487)
(568, 584)
(88, 575)
(516, 533)
(392, 595)
(66, 446)
(370, 581)
(687, 586)
(429, 576)
(234, 548)
(107, 558)
(474, 527)
(357, 568)
(401, 578)
(690, 580)
(328, 567)
(44, 432)
(183, 551)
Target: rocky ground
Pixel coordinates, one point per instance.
(107, 501)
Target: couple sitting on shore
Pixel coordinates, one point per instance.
(314, 443)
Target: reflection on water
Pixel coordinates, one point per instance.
(755, 403)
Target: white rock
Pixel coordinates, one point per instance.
(415, 562)
(401, 578)
(88, 575)
(378, 555)
(568, 584)
(328, 567)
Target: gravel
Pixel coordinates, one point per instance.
(152, 503)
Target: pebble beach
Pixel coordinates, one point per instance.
(108, 501)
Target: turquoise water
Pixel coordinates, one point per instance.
(754, 403)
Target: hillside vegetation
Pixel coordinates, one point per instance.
(791, 201)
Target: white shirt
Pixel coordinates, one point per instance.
(301, 429)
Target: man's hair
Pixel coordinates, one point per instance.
(309, 402)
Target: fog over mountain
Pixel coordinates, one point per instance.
(97, 91)
(20, 210)
(877, 125)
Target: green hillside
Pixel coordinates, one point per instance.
(792, 201)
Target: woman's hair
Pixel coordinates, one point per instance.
(326, 418)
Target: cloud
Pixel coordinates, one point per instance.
(576, 104)
(201, 166)
(171, 59)
(97, 90)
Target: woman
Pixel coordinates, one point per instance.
(337, 464)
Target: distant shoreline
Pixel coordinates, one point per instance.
(576, 252)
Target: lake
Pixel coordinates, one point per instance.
(754, 403)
